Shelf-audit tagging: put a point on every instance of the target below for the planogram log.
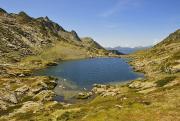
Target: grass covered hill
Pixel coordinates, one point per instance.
(163, 57)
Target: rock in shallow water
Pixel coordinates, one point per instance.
(52, 64)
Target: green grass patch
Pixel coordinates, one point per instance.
(25, 116)
(9, 110)
(164, 81)
(70, 116)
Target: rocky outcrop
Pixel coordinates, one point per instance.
(45, 95)
(84, 95)
(3, 105)
(105, 90)
(89, 42)
(31, 88)
(29, 106)
(142, 85)
(22, 90)
(8, 96)
(71, 36)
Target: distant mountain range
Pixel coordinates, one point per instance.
(128, 50)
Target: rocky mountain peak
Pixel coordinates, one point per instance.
(2, 10)
(23, 14)
(23, 18)
(47, 19)
(75, 35)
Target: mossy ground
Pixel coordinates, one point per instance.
(160, 105)
(60, 51)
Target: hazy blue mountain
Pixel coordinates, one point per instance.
(128, 50)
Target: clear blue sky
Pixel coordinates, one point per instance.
(109, 22)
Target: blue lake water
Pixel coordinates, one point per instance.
(86, 72)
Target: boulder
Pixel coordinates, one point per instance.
(29, 106)
(106, 90)
(37, 89)
(119, 106)
(142, 85)
(22, 75)
(8, 96)
(22, 90)
(3, 105)
(109, 93)
(52, 64)
(84, 95)
(12, 98)
(45, 95)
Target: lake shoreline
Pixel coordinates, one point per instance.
(89, 90)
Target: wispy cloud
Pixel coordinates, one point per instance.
(119, 6)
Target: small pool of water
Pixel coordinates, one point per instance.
(82, 74)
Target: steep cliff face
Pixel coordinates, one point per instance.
(22, 35)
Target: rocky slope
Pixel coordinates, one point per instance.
(161, 63)
(28, 43)
(22, 35)
(162, 58)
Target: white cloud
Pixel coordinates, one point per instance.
(119, 6)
